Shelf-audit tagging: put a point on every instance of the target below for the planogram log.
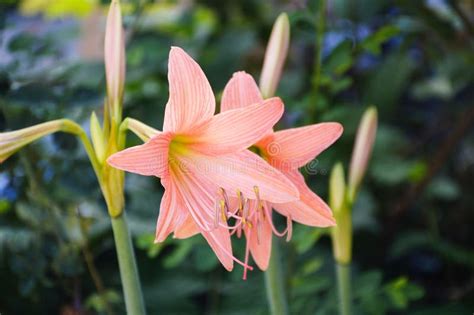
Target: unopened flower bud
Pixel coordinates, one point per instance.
(275, 56)
(114, 53)
(341, 234)
(337, 188)
(362, 150)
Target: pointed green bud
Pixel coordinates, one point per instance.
(275, 56)
(114, 53)
(98, 140)
(337, 188)
(341, 234)
(361, 154)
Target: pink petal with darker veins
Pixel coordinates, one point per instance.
(310, 209)
(191, 101)
(236, 130)
(291, 149)
(240, 91)
(149, 159)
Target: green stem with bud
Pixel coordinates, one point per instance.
(112, 182)
(341, 235)
(342, 247)
(123, 242)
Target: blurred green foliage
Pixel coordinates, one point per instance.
(412, 59)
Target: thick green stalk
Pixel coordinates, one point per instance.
(274, 283)
(128, 267)
(344, 288)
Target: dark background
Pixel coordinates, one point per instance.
(413, 220)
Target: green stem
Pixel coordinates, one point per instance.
(128, 267)
(319, 47)
(274, 283)
(344, 288)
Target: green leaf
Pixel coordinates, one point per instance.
(386, 85)
(304, 237)
(401, 292)
(418, 171)
(340, 60)
(147, 242)
(312, 266)
(413, 240)
(4, 206)
(204, 258)
(96, 302)
(373, 43)
(443, 188)
(179, 254)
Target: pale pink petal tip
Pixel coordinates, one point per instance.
(191, 99)
(240, 91)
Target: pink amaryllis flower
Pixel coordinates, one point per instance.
(287, 151)
(201, 159)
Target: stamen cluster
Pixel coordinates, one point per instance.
(241, 213)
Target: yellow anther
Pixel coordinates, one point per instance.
(223, 208)
(224, 195)
(221, 192)
(256, 190)
(263, 211)
(240, 196)
(241, 202)
(259, 201)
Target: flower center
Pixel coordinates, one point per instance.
(178, 146)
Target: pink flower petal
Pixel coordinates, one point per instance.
(261, 243)
(219, 240)
(291, 149)
(170, 211)
(236, 130)
(150, 158)
(310, 209)
(197, 195)
(191, 100)
(186, 229)
(243, 171)
(240, 91)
